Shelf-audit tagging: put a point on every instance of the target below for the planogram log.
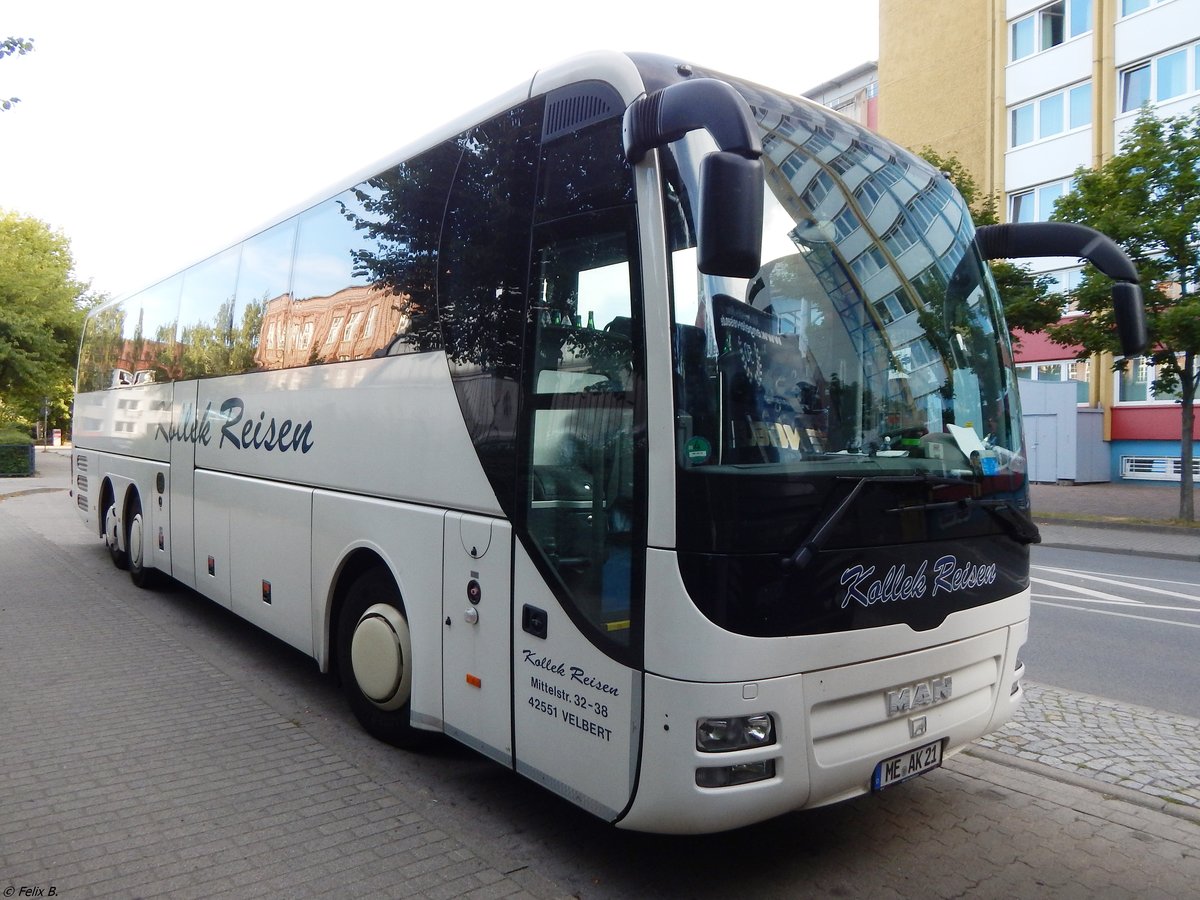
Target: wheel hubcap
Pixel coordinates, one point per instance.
(375, 656)
(135, 541)
(381, 656)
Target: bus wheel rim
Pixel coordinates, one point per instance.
(135, 541)
(110, 526)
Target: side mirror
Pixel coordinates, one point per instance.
(1039, 239)
(729, 234)
(1130, 313)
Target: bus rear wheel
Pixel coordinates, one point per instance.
(374, 658)
(135, 542)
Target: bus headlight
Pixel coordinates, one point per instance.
(719, 735)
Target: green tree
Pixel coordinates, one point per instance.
(1147, 198)
(1029, 304)
(41, 312)
(8, 47)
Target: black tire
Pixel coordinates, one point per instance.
(135, 541)
(119, 557)
(374, 613)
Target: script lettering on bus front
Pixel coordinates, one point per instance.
(255, 433)
(898, 584)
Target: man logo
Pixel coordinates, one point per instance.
(919, 695)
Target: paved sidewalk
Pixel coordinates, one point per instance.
(1152, 755)
(1115, 518)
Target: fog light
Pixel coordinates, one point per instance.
(719, 735)
(742, 773)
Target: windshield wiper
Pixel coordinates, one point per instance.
(1019, 524)
(815, 542)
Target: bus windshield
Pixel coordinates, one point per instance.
(869, 345)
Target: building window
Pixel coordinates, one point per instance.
(1135, 87)
(334, 331)
(1036, 204)
(818, 189)
(1171, 75)
(901, 236)
(352, 326)
(895, 305)
(1050, 115)
(1046, 28)
(792, 164)
(1073, 370)
(1135, 384)
(845, 223)
(1022, 127)
(868, 263)
(1129, 7)
(1162, 78)
(1065, 282)
(1081, 105)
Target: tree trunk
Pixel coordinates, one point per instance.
(1187, 510)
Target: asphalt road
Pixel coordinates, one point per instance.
(1118, 626)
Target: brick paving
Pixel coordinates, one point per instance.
(1154, 753)
(130, 767)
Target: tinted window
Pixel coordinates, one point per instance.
(263, 280)
(148, 352)
(101, 349)
(584, 485)
(328, 289)
(208, 320)
(400, 214)
(481, 294)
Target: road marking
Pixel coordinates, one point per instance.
(1182, 609)
(1124, 580)
(1109, 612)
(1087, 592)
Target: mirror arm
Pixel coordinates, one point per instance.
(1019, 240)
(666, 115)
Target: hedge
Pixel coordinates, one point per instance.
(16, 452)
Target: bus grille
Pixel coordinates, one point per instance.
(860, 725)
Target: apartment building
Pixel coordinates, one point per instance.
(1024, 92)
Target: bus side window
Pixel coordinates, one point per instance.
(208, 325)
(264, 276)
(584, 504)
(581, 498)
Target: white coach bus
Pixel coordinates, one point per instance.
(652, 433)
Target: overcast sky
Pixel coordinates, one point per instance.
(152, 133)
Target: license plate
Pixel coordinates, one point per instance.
(903, 766)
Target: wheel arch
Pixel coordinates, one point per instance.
(108, 494)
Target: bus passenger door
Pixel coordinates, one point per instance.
(476, 633)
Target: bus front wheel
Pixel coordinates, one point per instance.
(374, 657)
